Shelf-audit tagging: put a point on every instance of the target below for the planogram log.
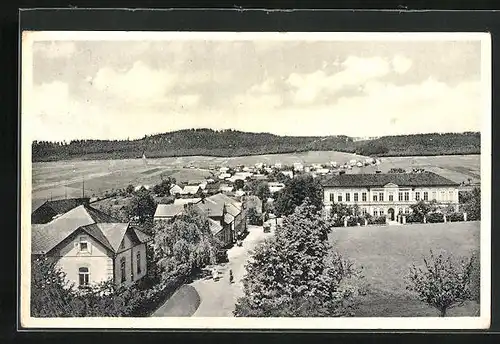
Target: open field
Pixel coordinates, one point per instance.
(386, 252)
(454, 167)
(57, 179)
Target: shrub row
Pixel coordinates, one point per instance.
(435, 218)
(353, 221)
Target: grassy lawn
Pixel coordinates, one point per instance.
(386, 252)
(183, 303)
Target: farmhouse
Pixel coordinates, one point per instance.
(175, 190)
(191, 190)
(165, 212)
(49, 210)
(90, 246)
(182, 201)
(226, 211)
(226, 215)
(388, 194)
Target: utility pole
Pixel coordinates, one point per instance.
(83, 187)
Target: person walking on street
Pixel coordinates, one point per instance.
(231, 278)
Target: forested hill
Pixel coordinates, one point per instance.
(236, 143)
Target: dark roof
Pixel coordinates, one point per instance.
(381, 179)
(102, 227)
(143, 237)
(45, 212)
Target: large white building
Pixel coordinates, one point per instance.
(388, 194)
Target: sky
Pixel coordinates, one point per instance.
(128, 89)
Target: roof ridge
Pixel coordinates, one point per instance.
(100, 212)
(100, 230)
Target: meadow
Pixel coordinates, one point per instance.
(385, 254)
(65, 178)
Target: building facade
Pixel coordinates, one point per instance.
(91, 247)
(388, 194)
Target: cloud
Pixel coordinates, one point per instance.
(268, 85)
(138, 83)
(188, 100)
(401, 64)
(356, 71)
(55, 49)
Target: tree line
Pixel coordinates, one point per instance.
(228, 143)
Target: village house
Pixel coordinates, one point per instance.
(49, 210)
(226, 211)
(297, 166)
(166, 212)
(175, 190)
(191, 191)
(289, 174)
(275, 186)
(90, 246)
(389, 194)
(223, 176)
(211, 188)
(226, 188)
(138, 187)
(227, 215)
(182, 201)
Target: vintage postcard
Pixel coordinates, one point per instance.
(223, 180)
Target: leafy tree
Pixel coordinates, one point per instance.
(397, 170)
(163, 188)
(129, 189)
(142, 205)
(51, 295)
(472, 204)
(423, 208)
(254, 218)
(262, 191)
(442, 283)
(239, 184)
(296, 273)
(295, 193)
(187, 241)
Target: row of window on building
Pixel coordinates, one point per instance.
(381, 212)
(403, 196)
(84, 272)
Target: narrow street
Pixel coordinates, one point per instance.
(219, 297)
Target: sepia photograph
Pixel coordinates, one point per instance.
(255, 180)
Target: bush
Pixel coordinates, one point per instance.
(254, 218)
(455, 217)
(435, 217)
(377, 220)
(413, 218)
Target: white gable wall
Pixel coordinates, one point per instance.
(129, 254)
(99, 260)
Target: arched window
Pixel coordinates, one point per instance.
(83, 276)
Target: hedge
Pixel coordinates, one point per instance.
(377, 220)
(435, 217)
(455, 217)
